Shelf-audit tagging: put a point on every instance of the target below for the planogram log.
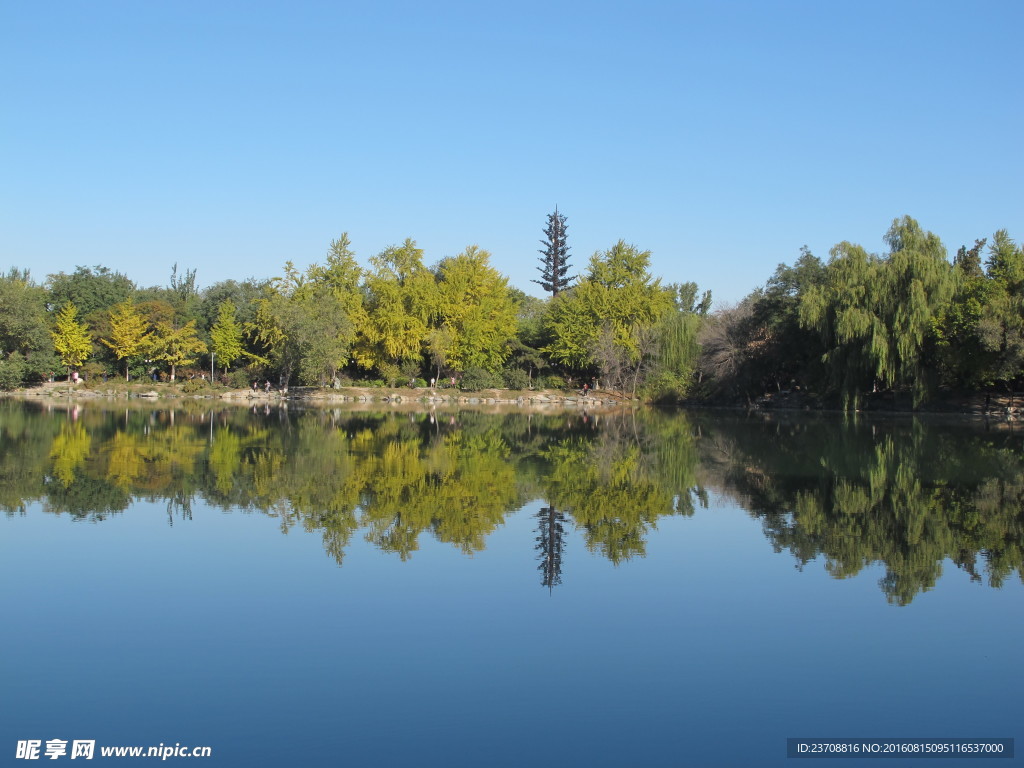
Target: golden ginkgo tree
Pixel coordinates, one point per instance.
(176, 346)
(129, 333)
(71, 338)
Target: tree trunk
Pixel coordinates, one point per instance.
(636, 377)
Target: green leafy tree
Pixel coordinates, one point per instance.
(156, 311)
(71, 338)
(475, 308)
(790, 354)
(129, 334)
(617, 301)
(840, 312)
(327, 340)
(340, 281)
(525, 356)
(26, 346)
(343, 275)
(1005, 260)
(917, 284)
(401, 301)
(760, 344)
(965, 360)
(90, 290)
(183, 294)
(176, 346)
(876, 316)
(1001, 325)
(226, 336)
(531, 315)
(243, 295)
(94, 292)
(677, 356)
(303, 329)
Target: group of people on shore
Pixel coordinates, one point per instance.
(435, 382)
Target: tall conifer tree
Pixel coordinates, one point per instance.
(554, 256)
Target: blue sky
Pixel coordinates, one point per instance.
(722, 136)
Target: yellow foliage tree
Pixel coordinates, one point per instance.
(129, 333)
(71, 338)
(177, 346)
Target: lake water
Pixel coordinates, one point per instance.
(324, 587)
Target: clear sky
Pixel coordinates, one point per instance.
(722, 136)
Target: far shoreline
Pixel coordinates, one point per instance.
(977, 405)
(378, 397)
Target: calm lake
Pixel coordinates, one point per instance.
(298, 587)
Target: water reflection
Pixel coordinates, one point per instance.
(550, 543)
(905, 494)
(908, 494)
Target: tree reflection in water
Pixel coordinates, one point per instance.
(904, 493)
(550, 543)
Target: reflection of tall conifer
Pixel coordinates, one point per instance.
(551, 526)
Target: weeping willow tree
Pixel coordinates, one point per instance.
(677, 351)
(876, 315)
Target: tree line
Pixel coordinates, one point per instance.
(907, 322)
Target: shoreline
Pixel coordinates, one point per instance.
(1003, 407)
(350, 396)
